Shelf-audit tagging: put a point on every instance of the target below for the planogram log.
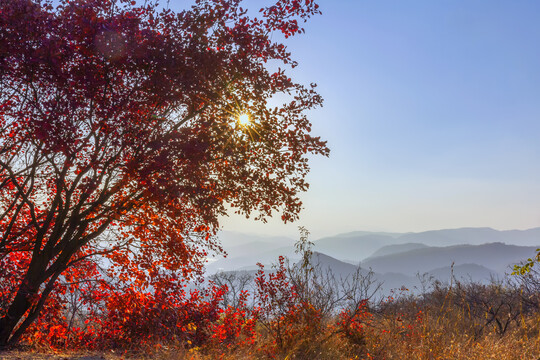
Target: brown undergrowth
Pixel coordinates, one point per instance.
(304, 311)
(469, 321)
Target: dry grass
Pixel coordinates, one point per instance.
(432, 340)
(443, 327)
(449, 339)
(435, 337)
(460, 322)
(50, 355)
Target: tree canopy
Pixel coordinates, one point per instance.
(121, 137)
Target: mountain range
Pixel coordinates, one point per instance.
(476, 254)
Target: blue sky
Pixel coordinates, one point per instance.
(432, 113)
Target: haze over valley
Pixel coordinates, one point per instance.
(397, 259)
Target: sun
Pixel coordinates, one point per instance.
(244, 119)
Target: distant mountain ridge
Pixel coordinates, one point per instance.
(430, 249)
(473, 236)
(464, 272)
(364, 245)
(496, 256)
(394, 249)
(398, 280)
(353, 247)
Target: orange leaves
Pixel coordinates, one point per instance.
(163, 314)
(115, 314)
(116, 137)
(351, 323)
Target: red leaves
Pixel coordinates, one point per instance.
(351, 323)
(236, 326)
(117, 139)
(281, 16)
(90, 313)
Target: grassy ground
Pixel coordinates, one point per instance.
(432, 342)
(44, 355)
(459, 322)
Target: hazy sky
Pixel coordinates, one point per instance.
(432, 114)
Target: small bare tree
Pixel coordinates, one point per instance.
(237, 282)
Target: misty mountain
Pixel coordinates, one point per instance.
(363, 233)
(249, 261)
(251, 248)
(394, 249)
(398, 282)
(246, 250)
(338, 268)
(231, 240)
(404, 254)
(446, 237)
(353, 247)
(395, 281)
(472, 236)
(496, 256)
(359, 245)
(465, 273)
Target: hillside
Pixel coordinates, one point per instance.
(496, 256)
(465, 273)
(399, 248)
(353, 247)
(399, 253)
(473, 236)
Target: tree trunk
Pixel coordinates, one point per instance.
(23, 301)
(19, 306)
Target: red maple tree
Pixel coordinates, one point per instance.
(120, 138)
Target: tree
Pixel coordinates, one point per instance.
(120, 136)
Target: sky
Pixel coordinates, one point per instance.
(432, 115)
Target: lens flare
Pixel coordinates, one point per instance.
(244, 119)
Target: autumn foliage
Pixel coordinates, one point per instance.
(289, 313)
(120, 148)
(272, 321)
